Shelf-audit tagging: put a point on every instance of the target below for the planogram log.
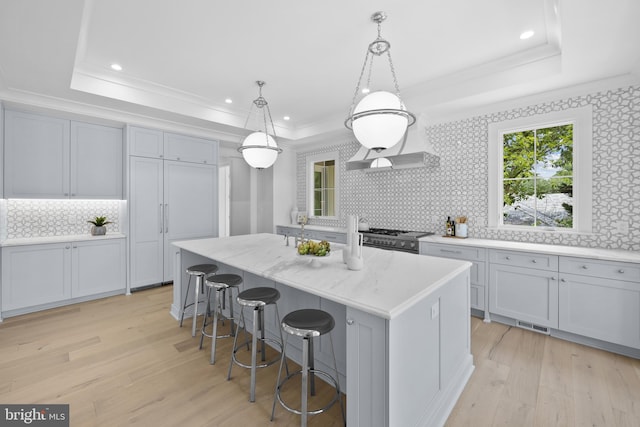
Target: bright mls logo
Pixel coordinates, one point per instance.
(34, 415)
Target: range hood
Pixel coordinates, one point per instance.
(413, 151)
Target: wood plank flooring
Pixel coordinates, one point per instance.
(124, 361)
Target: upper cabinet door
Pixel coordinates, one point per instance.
(96, 161)
(145, 142)
(36, 156)
(189, 149)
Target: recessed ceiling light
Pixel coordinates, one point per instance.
(526, 34)
(228, 101)
(365, 90)
(287, 118)
(116, 67)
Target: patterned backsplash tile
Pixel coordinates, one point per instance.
(422, 198)
(25, 218)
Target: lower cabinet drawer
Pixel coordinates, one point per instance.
(524, 259)
(605, 269)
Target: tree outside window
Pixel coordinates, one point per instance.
(324, 188)
(538, 177)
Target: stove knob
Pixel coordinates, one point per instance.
(366, 239)
(402, 244)
(413, 245)
(393, 243)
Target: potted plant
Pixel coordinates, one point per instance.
(98, 228)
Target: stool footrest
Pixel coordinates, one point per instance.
(326, 375)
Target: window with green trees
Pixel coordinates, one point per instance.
(324, 188)
(538, 181)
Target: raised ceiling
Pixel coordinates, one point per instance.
(182, 59)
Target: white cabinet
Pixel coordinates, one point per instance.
(601, 300)
(477, 257)
(35, 275)
(46, 157)
(145, 142)
(367, 368)
(36, 156)
(189, 149)
(96, 161)
(42, 276)
(168, 200)
(524, 286)
(164, 145)
(98, 267)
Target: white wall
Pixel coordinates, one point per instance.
(284, 187)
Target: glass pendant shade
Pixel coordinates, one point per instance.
(381, 162)
(260, 150)
(375, 125)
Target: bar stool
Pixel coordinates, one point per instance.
(257, 299)
(308, 323)
(200, 271)
(219, 284)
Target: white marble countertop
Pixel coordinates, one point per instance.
(59, 239)
(389, 282)
(575, 251)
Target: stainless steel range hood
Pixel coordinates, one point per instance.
(413, 151)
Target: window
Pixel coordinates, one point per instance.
(322, 179)
(540, 172)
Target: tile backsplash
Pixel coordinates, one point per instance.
(23, 218)
(422, 198)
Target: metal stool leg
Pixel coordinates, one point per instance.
(214, 334)
(195, 304)
(186, 295)
(207, 314)
(254, 350)
(311, 364)
(283, 359)
(305, 374)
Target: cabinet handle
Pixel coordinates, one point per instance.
(73, 194)
(449, 251)
(177, 158)
(507, 257)
(584, 267)
(66, 194)
(350, 322)
(534, 261)
(553, 278)
(166, 217)
(205, 162)
(621, 271)
(562, 280)
(67, 247)
(161, 218)
(161, 156)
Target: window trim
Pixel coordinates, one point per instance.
(582, 121)
(311, 160)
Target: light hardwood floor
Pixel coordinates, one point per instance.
(124, 361)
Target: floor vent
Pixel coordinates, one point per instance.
(532, 327)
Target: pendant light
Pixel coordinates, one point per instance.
(260, 149)
(380, 119)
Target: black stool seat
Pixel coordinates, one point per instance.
(308, 322)
(231, 280)
(202, 269)
(258, 296)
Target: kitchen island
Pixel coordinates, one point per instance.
(402, 322)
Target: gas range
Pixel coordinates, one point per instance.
(397, 240)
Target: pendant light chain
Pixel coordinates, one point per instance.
(355, 93)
